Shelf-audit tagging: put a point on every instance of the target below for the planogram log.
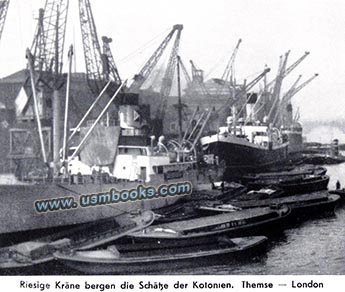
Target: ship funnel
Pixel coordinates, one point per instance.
(251, 100)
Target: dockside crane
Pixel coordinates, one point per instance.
(239, 94)
(277, 86)
(184, 70)
(48, 44)
(169, 76)
(188, 138)
(291, 90)
(282, 102)
(47, 48)
(110, 70)
(269, 87)
(228, 78)
(3, 13)
(48, 57)
(91, 45)
(290, 94)
(45, 61)
(295, 64)
(278, 105)
(290, 68)
(100, 66)
(228, 74)
(203, 116)
(197, 75)
(141, 77)
(248, 86)
(251, 84)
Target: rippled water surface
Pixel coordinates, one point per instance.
(314, 247)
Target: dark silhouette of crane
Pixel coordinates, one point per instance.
(100, 65)
(228, 74)
(167, 80)
(146, 70)
(169, 75)
(48, 44)
(45, 66)
(286, 100)
(3, 13)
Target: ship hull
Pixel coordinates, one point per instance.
(238, 153)
(18, 213)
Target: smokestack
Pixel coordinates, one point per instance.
(251, 100)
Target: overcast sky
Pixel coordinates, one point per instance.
(268, 29)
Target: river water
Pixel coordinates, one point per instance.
(315, 247)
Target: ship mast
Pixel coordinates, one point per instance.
(36, 110)
(64, 152)
(56, 101)
(179, 106)
(47, 50)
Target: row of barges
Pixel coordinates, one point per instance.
(224, 223)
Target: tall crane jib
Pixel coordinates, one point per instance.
(169, 75)
(92, 49)
(286, 100)
(228, 74)
(248, 86)
(278, 86)
(3, 13)
(145, 72)
(282, 73)
(184, 70)
(49, 40)
(100, 65)
(292, 67)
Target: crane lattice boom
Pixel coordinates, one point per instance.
(100, 65)
(291, 67)
(198, 76)
(3, 13)
(290, 94)
(145, 72)
(169, 75)
(229, 70)
(92, 49)
(277, 86)
(48, 44)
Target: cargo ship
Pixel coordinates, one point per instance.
(115, 156)
(18, 212)
(247, 147)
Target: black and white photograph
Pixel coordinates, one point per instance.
(171, 137)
